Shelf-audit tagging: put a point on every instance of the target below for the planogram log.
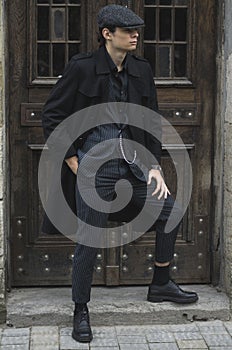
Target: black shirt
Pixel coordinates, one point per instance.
(118, 81)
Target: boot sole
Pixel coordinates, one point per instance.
(156, 299)
(83, 338)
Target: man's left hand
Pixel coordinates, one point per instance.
(160, 184)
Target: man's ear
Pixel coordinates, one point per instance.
(106, 34)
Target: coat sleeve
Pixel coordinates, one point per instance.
(156, 124)
(59, 104)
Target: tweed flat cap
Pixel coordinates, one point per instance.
(118, 16)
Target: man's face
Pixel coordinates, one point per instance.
(123, 39)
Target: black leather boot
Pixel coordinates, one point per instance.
(170, 292)
(81, 325)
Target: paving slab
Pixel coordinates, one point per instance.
(218, 339)
(15, 347)
(105, 348)
(113, 306)
(192, 344)
(151, 337)
(15, 332)
(160, 337)
(188, 336)
(163, 346)
(68, 343)
(135, 347)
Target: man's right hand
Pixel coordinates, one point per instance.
(72, 163)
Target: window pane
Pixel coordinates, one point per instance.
(151, 2)
(58, 1)
(58, 59)
(74, 1)
(165, 24)
(165, 2)
(150, 55)
(74, 49)
(181, 2)
(180, 61)
(180, 24)
(43, 23)
(43, 60)
(150, 20)
(42, 1)
(58, 28)
(74, 23)
(164, 61)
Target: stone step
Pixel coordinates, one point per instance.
(112, 306)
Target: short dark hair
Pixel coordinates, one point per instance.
(101, 38)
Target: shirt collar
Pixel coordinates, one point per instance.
(103, 68)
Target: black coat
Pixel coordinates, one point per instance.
(85, 82)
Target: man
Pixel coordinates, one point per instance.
(112, 74)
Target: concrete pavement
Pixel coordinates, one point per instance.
(121, 318)
(112, 306)
(213, 335)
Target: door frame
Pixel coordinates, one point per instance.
(21, 77)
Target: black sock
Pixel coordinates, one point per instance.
(79, 306)
(161, 275)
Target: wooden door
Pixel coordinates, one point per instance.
(179, 42)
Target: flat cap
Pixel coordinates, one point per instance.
(118, 16)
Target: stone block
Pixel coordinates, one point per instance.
(160, 337)
(135, 347)
(192, 344)
(16, 332)
(15, 347)
(67, 343)
(218, 339)
(2, 281)
(188, 336)
(2, 311)
(103, 342)
(15, 340)
(132, 339)
(163, 346)
(105, 348)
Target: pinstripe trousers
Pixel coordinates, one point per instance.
(105, 180)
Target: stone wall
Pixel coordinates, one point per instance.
(225, 115)
(2, 165)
